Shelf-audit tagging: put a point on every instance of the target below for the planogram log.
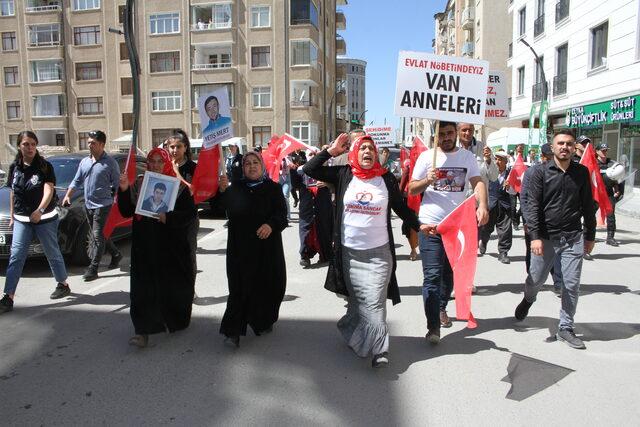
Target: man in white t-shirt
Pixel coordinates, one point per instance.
(445, 187)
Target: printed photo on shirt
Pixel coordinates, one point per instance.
(451, 179)
(157, 195)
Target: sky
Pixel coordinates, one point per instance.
(376, 31)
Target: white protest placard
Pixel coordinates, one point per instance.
(381, 135)
(441, 87)
(497, 99)
(215, 117)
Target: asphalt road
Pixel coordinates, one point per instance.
(67, 362)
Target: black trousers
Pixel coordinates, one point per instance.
(96, 219)
(611, 218)
(500, 219)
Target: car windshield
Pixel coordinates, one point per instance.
(65, 170)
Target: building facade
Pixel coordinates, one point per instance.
(590, 59)
(64, 74)
(353, 86)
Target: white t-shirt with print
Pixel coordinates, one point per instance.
(450, 189)
(364, 219)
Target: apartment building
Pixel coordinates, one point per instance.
(64, 74)
(590, 60)
(479, 29)
(353, 86)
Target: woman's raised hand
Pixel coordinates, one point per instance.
(223, 182)
(124, 182)
(340, 145)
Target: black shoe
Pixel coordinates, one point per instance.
(445, 322)
(567, 336)
(6, 304)
(523, 309)
(232, 341)
(140, 341)
(380, 360)
(612, 242)
(433, 336)
(482, 248)
(115, 260)
(504, 258)
(90, 275)
(265, 331)
(305, 262)
(61, 291)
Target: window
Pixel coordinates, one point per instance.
(301, 94)
(162, 62)
(127, 121)
(522, 21)
(124, 52)
(59, 139)
(88, 71)
(261, 96)
(260, 56)
(121, 10)
(44, 35)
(86, 35)
(83, 140)
(126, 86)
(303, 52)
(222, 15)
(220, 59)
(7, 8)
(159, 136)
(164, 23)
(261, 135)
(598, 42)
(197, 90)
(9, 41)
(86, 4)
(260, 16)
(560, 79)
(49, 70)
(166, 100)
(48, 105)
(13, 110)
(521, 81)
(562, 10)
(11, 76)
(305, 131)
(90, 106)
(538, 24)
(304, 12)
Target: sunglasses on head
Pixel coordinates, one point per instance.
(97, 134)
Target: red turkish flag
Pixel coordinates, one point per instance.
(598, 190)
(205, 178)
(285, 145)
(115, 218)
(517, 171)
(459, 231)
(418, 147)
(269, 156)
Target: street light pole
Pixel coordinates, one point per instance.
(545, 87)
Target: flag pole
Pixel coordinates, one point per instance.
(435, 144)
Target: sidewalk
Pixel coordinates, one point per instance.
(630, 206)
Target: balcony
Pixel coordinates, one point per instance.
(211, 17)
(341, 98)
(341, 46)
(538, 26)
(42, 6)
(43, 35)
(341, 20)
(468, 18)
(341, 72)
(562, 10)
(560, 84)
(467, 49)
(451, 19)
(451, 49)
(211, 56)
(537, 92)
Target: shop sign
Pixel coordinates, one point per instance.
(620, 110)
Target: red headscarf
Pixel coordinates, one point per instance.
(168, 166)
(359, 171)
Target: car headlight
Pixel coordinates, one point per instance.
(62, 212)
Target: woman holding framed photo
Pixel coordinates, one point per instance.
(162, 274)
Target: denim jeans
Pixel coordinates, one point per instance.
(23, 234)
(569, 252)
(285, 182)
(438, 278)
(96, 219)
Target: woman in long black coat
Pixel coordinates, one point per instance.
(256, 269)
(162, 274)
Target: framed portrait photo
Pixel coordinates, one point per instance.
(158, 194)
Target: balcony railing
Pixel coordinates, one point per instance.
(44, 8)
(211, 66)
(538, 26)
(468, 18)
(42, 43)
(467, 49)
(562, 10)
(205, 26)
(537, 92)
(560, 84)
(303, 103)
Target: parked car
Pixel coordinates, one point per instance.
(395, 169)
(74, 233)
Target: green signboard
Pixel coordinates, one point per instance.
(620, 110)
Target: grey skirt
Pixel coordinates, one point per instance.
(366, 274)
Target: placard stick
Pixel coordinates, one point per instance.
(435, 144)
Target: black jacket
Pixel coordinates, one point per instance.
(557, 201)
(340, 177)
